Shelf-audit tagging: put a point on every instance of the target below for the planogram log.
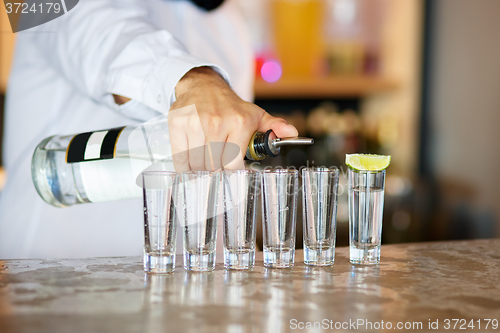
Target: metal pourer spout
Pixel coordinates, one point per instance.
(267, 144)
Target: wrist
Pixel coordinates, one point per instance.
(196, 77)
(120, 99)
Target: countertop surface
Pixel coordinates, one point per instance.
(427, 283)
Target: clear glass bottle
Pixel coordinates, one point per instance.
(106, 165)
(99, 166)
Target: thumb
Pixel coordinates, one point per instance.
(280, 126)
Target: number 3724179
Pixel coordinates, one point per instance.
(24, 8)
(462, 324)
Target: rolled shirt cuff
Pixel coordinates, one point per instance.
(154, 85)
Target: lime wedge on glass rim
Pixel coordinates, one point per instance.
(367, 162)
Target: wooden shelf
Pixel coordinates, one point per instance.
(326, 87)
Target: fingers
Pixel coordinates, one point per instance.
(177, 120)
(197, 147)
(213, 140)
(216, 131)
(213, 157)
(235, 150)
(279, 126)
(180, 150)
(187, 139)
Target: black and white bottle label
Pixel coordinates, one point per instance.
(93, 146)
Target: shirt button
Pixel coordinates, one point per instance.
(159, 98)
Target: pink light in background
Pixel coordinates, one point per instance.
(271, 71)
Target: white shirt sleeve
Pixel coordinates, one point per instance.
(106, 47)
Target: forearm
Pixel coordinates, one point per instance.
(192, 78)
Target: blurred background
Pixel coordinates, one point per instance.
(416, 79)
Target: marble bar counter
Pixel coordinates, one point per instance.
(416, 287)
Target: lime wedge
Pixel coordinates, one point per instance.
(367, 162)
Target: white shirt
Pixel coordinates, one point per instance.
(62, 81)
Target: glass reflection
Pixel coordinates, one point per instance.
(198, 288)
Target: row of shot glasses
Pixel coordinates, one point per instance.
(197, 200)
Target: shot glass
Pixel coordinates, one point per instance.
(240, 216)
(279, 209)
(319, 195)
(159, 221)
(366, 205)
(198, 208)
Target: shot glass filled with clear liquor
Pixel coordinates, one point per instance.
(240, 188)
(198, 209)
(160, 222)
(319, 195)
(366, 205)
(279, 209)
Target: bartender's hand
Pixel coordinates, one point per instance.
(223, 118)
